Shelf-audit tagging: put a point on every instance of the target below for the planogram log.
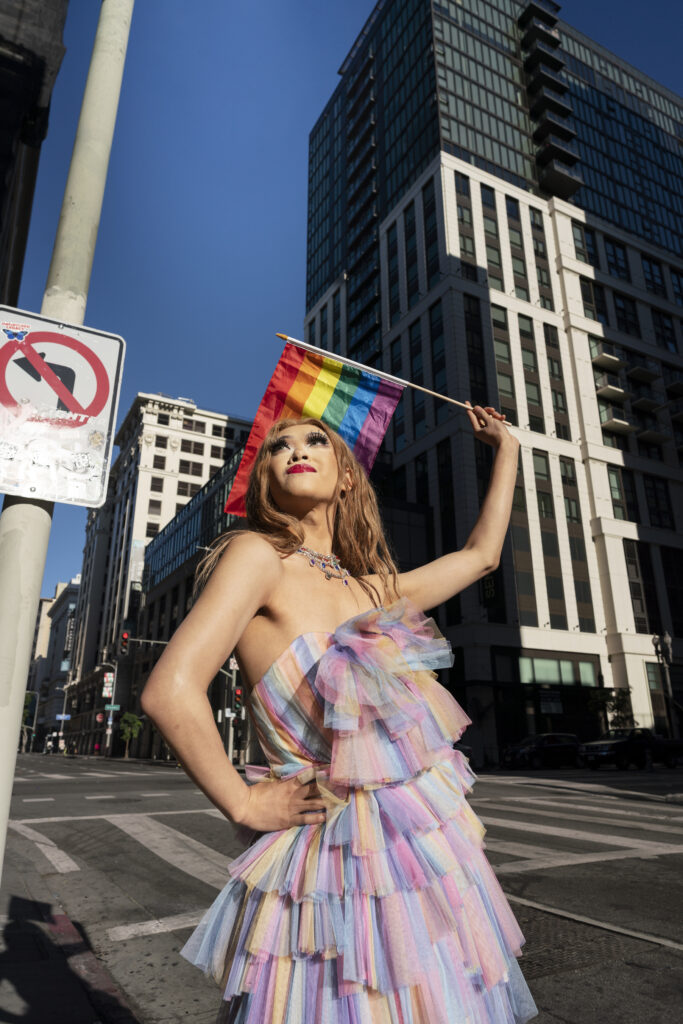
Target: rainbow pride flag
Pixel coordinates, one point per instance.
(356, 403)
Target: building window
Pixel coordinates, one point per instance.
(186, 489)
(617, 261)
(159, 462)
(658, 501)
(217, 452)
(546, 509)
(677, 286)
(197, 426)
(567, 471)
(499, 318)
(156, 483)
(217, 430)
(410, 240)
(665, 335)
(154, 508)
(462, 185)
(533, 393)
(572, 511)
(163, 419)
(179, 507)
(488, 197)
(554, 368)
(394, 287)
(642, 586)
(502, 350)
(541, 466)
(161, 441)
(323, 327)
(584, 244)
(559, 403)
(336, 321)
(654, 279)
(192, 447)
(594, 305)
(626, 314)
(512, 207)
(431, 237)
(505, 385)
(190, 468)
(529, 360)
(152, 530)
(551, 336)
(437, 345)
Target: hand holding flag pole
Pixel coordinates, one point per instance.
(378, 373)
(354, 400)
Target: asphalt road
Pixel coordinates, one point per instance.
(134, 853)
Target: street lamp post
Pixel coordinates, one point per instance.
(663, 650)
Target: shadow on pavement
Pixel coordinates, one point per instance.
(49, 973)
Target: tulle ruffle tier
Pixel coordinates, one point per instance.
(389, 911)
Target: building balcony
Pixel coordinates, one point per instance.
(361, 274)
(356, 209)
(551, 124)
(539, 31)
(559, 179)
(362, 157)
(548, 99)
(641, 367)
(545, 76)
(613, 418)
(362, 225)
(357, 129)
(364, 173)
(362, 328)
(676, 410)
(673, 382)
(542, 53)
(649, 429)
(645, 398)
(546, 10)
(555, 148)
(362, 96)
(610, 387)
(361, 75)
(366, 297)
(606, 355)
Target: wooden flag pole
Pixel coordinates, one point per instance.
(371, 369)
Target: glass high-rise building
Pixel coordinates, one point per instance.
(496, 212)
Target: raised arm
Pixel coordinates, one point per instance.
(441, 579)
(176, 694)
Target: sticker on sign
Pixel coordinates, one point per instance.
(59, 390)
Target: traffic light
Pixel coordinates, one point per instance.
(238, 698)
(124, 637)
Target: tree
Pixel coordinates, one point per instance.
(129, 727)
(615, 703)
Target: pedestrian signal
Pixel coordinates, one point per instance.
(123, 641)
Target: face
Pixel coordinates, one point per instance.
(303, 468)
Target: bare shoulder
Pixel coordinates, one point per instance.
(249, 563)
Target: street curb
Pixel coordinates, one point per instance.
(101, 989)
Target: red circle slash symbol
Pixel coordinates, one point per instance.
(27, 349)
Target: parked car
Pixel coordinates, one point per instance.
(545, 750)
(623, 747)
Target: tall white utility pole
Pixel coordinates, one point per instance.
(25, 523)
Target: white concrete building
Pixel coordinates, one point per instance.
(168, 448)
(572, 327)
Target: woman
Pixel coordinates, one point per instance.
(369, 897)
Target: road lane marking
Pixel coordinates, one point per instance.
(37, 799)
(598, 805)
(562, 813)
(581, 787)
(156, 926)
(53, 775)
(525, 850)
(102, 796)
(58, 858)
(605, 925)
(646, 845)
(562, 860)
(93, 817)
(156, 794)
(176, 848)
(100, 775)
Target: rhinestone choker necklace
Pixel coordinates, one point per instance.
(328, 564)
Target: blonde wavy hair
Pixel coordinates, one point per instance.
(358, 538)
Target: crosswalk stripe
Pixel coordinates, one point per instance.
(562, 813)
(156, 926)
(597, 805)
(517, 849)
(646, 845)
(561, 860)
(58, 858)
(176, 848)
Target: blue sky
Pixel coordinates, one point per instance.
(201, 251)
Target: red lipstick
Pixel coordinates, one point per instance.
(301, 467)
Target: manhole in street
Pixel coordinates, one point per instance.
(554, 944)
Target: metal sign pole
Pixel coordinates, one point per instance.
(25, 523)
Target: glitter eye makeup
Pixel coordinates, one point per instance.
(317, 437)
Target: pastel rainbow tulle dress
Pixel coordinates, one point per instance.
(389, 912)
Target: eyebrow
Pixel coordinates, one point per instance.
(288, 437)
